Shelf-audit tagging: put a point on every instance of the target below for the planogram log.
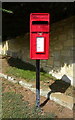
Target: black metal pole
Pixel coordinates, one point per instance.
(38, 83)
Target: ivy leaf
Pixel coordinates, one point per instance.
(7, 11)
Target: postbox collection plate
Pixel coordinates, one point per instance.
(40, 42)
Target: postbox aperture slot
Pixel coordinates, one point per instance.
(39, 22)
(40, 45)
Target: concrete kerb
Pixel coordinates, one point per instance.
(8, 78)
(60, 98)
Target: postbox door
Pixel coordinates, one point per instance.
(39, 46)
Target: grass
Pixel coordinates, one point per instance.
(25, 70)
(28, 74)
(15, 107)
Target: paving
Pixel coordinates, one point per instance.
(60, 98)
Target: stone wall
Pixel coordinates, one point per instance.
(61, 62)
(0, 48)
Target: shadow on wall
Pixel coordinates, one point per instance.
(64, 77)
(15, 62)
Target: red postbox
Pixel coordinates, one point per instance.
(39, 35)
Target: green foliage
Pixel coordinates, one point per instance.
(28, 74)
